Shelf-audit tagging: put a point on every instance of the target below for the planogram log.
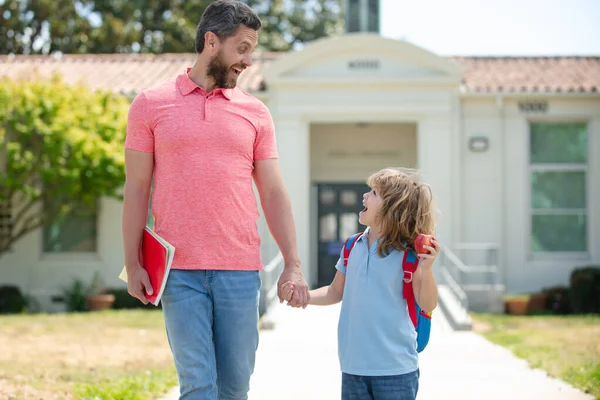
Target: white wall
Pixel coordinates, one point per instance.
(343, 152)
(44, 275)
(295, 108)
(481, 173)
(496, 187)
(525, 272)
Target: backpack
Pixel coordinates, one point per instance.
(420, 319)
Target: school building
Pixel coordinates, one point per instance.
(510, 146)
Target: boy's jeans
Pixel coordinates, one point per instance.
(394, 387)
(212, 325)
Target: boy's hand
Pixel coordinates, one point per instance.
(287, 290)
(428, 259)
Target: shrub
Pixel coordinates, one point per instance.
(75, 296)
(558, 300)
(123, 300)
(12, 300)
(584, 292)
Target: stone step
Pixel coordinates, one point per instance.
(457, 316)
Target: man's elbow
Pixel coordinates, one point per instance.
(135, 193)
(274, 195)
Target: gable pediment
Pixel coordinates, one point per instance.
(360, 56)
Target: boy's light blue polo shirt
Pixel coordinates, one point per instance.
(375, 334)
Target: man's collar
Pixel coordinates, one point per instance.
(187, 86)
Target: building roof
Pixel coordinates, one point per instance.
(531, 74)
(130, 73)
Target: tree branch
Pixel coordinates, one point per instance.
(21, 214)
(29, 226)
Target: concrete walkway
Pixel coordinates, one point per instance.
(298, 361)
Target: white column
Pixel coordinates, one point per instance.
(294, 154)
(434, 147)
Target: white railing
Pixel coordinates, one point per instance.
(273, 260)
(471, 269)
(480, 266)
(450, 267)
(270, 276)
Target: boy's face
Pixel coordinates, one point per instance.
(372, 202)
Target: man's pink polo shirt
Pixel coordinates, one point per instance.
(204, 146)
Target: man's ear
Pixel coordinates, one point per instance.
(211, 41)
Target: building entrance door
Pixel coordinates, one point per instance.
(337, 213)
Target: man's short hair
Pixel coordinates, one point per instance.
(223, 17)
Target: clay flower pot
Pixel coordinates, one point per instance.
(99, 302)
(537, 302)
(517, 305)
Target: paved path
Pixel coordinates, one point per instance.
(298, 361)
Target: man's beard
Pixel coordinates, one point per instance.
(223, 75)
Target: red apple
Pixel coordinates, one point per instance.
(422, 240)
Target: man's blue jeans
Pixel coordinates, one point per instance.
(393, 387)
(212, 325)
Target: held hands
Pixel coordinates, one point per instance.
(427, 258)
(287, 291)
(138, 283)
(296, 289)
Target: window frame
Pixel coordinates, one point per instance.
(93, 255)
(558, 167)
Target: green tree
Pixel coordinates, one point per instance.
(288, 23)
(149, 26)
(60, 150)
(43, 26)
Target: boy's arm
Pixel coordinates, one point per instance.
(327, 295)
(425, 289)
(424, 286)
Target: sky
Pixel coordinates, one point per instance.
(495, 27)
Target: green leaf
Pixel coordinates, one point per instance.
(63, 140)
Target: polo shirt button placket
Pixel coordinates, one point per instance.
(206, 116)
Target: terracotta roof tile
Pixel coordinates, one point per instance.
(531, 74)
(130, 73)
(124, 73)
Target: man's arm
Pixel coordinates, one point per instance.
(276, 205)
(138, 170)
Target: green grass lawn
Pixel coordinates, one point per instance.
(113, 355)
(567, 347)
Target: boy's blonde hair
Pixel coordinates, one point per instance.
(407, 208)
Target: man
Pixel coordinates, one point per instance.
(203, 141)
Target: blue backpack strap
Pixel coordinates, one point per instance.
(350, 242)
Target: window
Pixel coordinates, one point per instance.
(362, 16)
(74, 233)
(558, 176)
(353, 16)
(373, 16)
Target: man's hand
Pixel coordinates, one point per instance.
(138, 282)
(300, 295)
